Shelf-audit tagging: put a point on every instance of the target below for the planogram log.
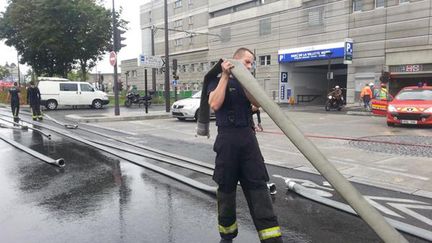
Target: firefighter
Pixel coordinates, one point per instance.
(366, 95)
(14, 96)
(383, 93)
(34, 100)
(238, 157)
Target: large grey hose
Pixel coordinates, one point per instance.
(24, 127)
(305, 192)
(57, 162)
(369, 214)
(194, 183)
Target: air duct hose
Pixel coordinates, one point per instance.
(58, 162)
(69, 126)
(305, 192)
(196, 184)
(368, 213)
(24, 127)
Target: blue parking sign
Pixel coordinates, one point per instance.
(284, 77)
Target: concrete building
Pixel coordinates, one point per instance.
(296, 40)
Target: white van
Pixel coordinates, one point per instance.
(58, 91)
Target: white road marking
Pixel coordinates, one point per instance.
(406, 209)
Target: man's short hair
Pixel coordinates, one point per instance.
(15, 84)
(241, 51)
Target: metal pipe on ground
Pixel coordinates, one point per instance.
(368, 213)
(271, 186)
(57, 162)
(305, 192)
(196, 184)
(24, 127)
(69, 126)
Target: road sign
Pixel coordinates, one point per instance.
(113, 58)
(150, 61)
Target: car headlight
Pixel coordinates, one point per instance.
(428, 110)
(391, 108)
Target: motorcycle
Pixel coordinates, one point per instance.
(334, 102)
(134, 98)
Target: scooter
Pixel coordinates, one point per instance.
(133, 98)
(334, 103)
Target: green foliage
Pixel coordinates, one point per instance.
(4, 72)
(56, 36)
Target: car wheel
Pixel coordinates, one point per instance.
(390, 124)
(51, 104)
(181, 118)
(97, 104)
(196, 115)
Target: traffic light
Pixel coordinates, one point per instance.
(174, 66)
(118, 39)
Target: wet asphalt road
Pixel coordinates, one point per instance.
(100, 198)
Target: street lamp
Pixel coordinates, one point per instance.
(329, 76)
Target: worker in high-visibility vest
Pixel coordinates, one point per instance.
(383, 93)
(366, 95)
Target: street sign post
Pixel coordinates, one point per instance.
(113, 58)
(150, 61)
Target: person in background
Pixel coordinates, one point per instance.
(238, 156)
(34, 100)
(366, 95)
(372, 87)
(383, 93)
(14, 96)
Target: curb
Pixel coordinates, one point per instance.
(110, 118)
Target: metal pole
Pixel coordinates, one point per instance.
(116, 94)
(328, 73)
(19, 76)
(153, 29)
(167, 71)
(145, 91)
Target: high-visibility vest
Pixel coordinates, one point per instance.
(383, 94)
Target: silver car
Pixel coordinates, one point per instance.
(188, 108)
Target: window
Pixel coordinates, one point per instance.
(86, 88)
(178, 42)
(190, 2)
(265, 60)
(226, 34)
(177, 4)
(315, 17)
(403, 1)
(68, 87)
(192, 67)
(190, 20)
(265, 26)
(379, 3)
(357, 5)
(178, 23)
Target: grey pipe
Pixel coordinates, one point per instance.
(196, 184)
(305, 192)
(368, 213)
(57, 162)
(69, 126)
(24, 127)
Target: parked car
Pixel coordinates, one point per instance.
(57, 91)
(412, 105)
(188, 108)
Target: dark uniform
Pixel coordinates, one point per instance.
(15, 102)
(238, 158)
(34, 99)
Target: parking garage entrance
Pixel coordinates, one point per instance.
(309, 73)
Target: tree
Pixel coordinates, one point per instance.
(55, 36)
(4, 72)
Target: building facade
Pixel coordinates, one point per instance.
(297, 42)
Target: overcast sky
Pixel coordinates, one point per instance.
(133, 36)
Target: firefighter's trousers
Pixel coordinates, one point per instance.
(238, 158)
